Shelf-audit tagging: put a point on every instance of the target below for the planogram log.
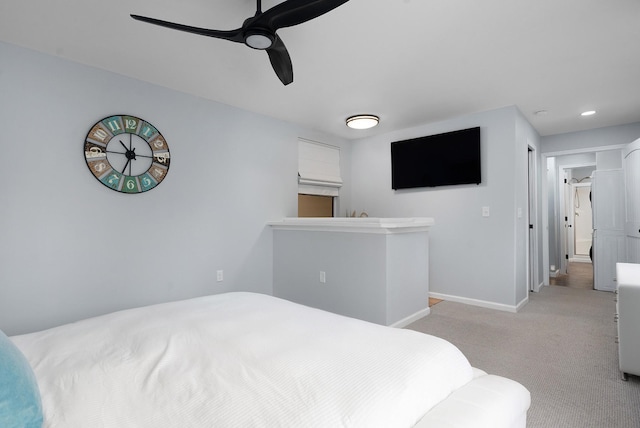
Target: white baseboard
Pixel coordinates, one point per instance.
(481, 303)
(522, 303)
(411, 318)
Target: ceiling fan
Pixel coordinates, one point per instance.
(259, 31)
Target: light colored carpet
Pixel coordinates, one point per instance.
(561, 346)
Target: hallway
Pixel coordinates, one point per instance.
(579, 275)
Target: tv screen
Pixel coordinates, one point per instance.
(436, 160)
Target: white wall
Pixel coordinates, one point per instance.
(72, 247)
(471, 257)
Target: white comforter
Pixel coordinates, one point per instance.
(238, 360)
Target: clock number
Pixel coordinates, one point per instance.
(130, 124)
(100, 134)
(112, 180)
(147, 182)
(95, 152)
(130, 185)
(162, 158)
(99, 167)
(147, 131)
(158, 173)
(114, 124)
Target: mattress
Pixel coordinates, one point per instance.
(238, 360)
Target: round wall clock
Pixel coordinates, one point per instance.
(126, 154)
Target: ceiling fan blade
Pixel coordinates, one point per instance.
(231, 35)
(281, 61)
(294, 12)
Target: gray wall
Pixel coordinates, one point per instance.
(471, 256)
(72, 248)
(377, 277)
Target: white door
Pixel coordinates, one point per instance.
(632, 186)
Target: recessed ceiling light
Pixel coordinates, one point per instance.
(588, 113)
(362, 121)
(540, 112)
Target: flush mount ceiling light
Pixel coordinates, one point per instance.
(588, 113)
(362, 121)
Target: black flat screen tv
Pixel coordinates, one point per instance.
(436, 160)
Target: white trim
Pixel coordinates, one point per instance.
(533, 261)
(522, 304)
(480, 303)
(584, 150)
(355, 224)
(411, 318)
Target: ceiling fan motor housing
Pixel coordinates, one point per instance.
(259, 39)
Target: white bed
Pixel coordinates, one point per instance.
(251, 360)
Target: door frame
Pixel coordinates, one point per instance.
(533, 281)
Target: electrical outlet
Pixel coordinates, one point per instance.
(219, 276)
(323, 277)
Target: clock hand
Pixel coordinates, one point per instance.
(125, 147)
(125, 167)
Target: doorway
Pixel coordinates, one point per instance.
(575, 213)
(580, 250)
(553, 215)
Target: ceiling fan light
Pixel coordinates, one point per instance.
(259, 40)
(362, 121)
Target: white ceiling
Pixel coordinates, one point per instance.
(409, 61)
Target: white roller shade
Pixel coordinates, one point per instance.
(318, 168)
